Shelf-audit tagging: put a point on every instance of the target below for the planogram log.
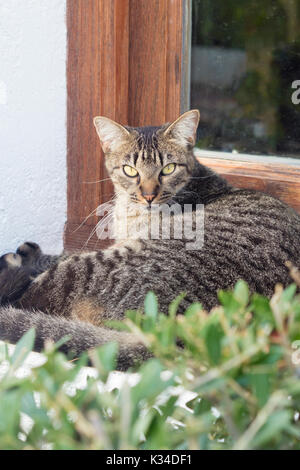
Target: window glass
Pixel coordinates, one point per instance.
(245, 75)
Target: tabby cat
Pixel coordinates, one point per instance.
(247, 235)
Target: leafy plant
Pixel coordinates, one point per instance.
(239, 365)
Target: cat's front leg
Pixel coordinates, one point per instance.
(33, 257)
(18, 270)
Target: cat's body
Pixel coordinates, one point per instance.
(247, 235)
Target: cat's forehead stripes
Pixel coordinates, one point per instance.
(147, 136)
(147, 155)
(147, 147)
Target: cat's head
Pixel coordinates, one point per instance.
(151, 164)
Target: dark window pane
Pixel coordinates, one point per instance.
(245, 60)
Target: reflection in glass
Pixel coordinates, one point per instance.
(245, 59)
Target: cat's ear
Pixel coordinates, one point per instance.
(111, 134)
(183, 130)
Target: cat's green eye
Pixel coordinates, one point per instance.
(168, 169)
(130, 171)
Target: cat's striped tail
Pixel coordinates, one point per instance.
(14, 323)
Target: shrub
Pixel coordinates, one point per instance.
(240, 362)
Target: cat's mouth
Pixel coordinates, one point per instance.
(159, 199)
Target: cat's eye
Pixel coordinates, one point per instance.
(130, 171)
(168, 169)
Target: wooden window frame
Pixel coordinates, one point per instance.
(129, 60)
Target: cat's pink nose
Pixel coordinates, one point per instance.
(149, 197)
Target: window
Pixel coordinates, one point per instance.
(245, 62)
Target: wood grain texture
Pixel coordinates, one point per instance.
(279, 180)
(174, 59)
(156, 29)
(78, 238)
(124, 62)
(97, 77)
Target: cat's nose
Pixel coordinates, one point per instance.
(149, 197)
(149, 192)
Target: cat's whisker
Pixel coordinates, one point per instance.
(102, 224)
(103, 221)
(110, 202)
(93, 231)
(105, 208)
(82, 223)
(91, 235)
(107, 220)
(94, 182)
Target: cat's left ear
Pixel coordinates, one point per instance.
(183, 130)
(111, 134)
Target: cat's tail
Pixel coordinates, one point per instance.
(14, 323)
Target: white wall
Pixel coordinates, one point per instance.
(32, 123)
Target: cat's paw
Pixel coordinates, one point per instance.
(14, 278)
(10, 261)
(29, 252)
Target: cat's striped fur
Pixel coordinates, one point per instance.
(248, 235)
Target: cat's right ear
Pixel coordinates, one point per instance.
(183, 130)
(111, 134)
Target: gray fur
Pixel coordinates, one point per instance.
(248, 235)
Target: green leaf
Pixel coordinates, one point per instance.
(213, 337)
(150, 383)
(277, 422)
(158, 438)
(117, 324)
(288, 293)
(229, 302)
(175, 304)
(199, 406)
(167, 336)
(241, 293)
(151, 305)
(261, 308)
(23, 347)
(3, 352)
(62, 341)
(261, 387)
(193, 309)
(29, 406)
(105, 358)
